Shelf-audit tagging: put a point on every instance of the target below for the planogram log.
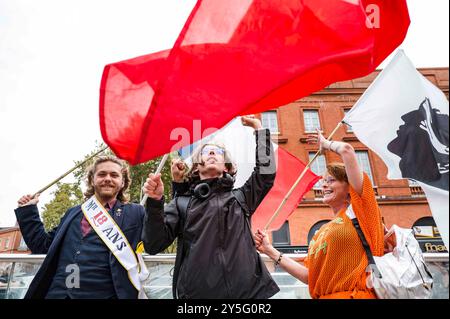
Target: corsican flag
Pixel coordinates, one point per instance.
(404, 118)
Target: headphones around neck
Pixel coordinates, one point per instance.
(202, 191)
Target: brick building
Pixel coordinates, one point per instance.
(401, 202)
(11, 241)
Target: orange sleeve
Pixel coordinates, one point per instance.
(368, 213)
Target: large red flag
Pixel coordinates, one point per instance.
(289, 169)
(239, 57)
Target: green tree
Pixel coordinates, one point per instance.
(139, 174)
(66, 196)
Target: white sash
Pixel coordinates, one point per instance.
(107, 229)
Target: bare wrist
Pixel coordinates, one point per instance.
(335, 146)
(155, 197)
(273, 253)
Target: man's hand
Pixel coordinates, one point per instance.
(177, 170)
(252, 121)
(154, 187)
(28, 200)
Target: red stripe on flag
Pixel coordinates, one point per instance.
(238, 57)
(289, 169)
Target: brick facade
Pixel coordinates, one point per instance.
(400, 203)
(11, 241)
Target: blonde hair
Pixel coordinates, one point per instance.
(90, 172)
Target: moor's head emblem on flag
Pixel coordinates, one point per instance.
(422, 144)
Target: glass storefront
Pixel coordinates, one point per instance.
(17, 272)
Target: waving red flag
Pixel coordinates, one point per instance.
(289, 169)
(239, 57)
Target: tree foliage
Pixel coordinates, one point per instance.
(65, 196)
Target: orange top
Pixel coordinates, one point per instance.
(336, 259)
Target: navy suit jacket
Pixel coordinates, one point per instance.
(130, 221)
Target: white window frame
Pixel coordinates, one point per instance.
(307, 119)
(361, 164)
(268, 119)
(318, 167)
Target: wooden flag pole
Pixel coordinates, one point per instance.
(68, 172)
(158, 170)
(283, 202)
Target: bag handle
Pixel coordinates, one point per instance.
(366, 247)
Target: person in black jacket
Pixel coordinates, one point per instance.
(78, 264)
(216, 256)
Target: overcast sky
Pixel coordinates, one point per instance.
(52, 54)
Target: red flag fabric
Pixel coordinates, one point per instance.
(289, 169)
(240, 57)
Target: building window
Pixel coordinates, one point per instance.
(6, 243)
(428, 235)
(318, 167)
(425, 227)
(269, 120)
(363, 161)
(311, 118)
(349, 127)
(281, 237)
(315, 228)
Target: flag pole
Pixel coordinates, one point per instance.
(68, 172)
(158, 170)
(283, 202)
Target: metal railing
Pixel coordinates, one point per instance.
(17, 271)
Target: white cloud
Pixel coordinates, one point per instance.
(52, 55)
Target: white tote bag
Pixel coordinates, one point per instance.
(400, 273)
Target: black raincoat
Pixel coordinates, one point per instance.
(216, 256)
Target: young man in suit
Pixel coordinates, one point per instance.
(81, 260)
